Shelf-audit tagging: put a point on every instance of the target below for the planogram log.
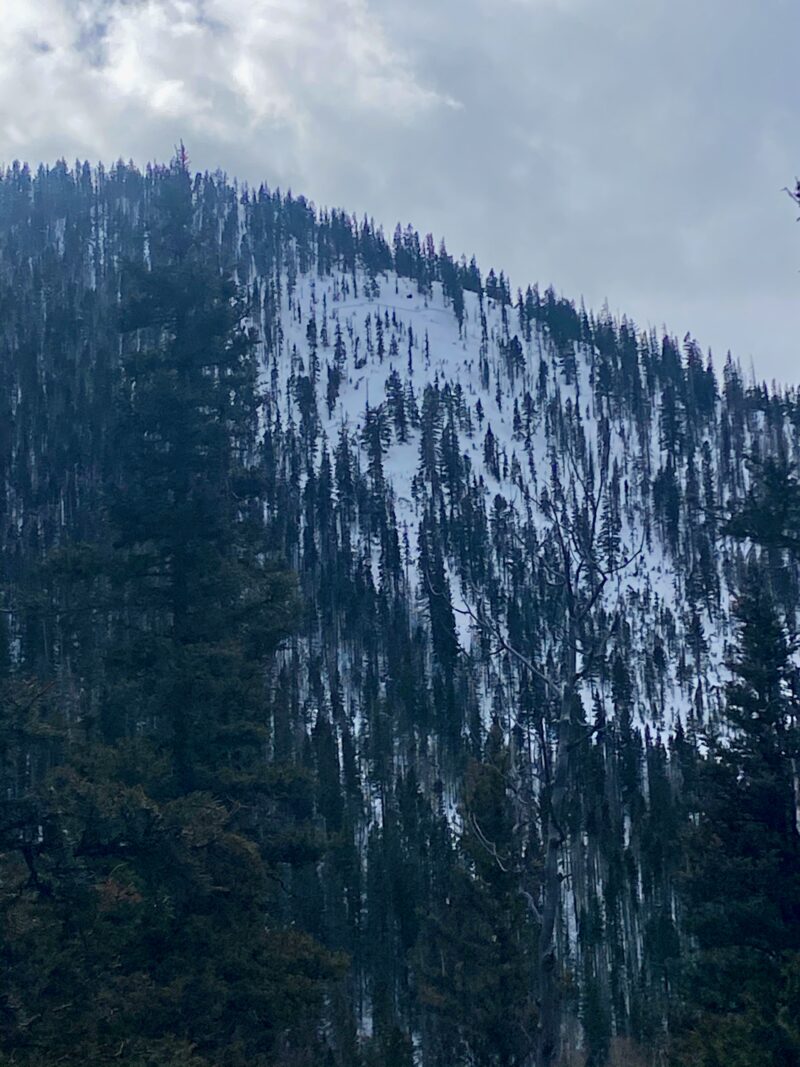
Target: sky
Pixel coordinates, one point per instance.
(632, 152)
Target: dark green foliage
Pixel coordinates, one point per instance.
(141, 851)
(743, 854)
(770, 512)
(254, 816)
(475, 958)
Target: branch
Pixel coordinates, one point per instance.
(531, 904)
(35, 698)
(490, 846)
(590, 732)
(596, 646)
(495, 632)
(794, 195)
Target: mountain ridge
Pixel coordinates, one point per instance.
(507, 521)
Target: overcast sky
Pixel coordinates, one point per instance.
(632, 151)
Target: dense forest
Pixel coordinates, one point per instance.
(396, 669)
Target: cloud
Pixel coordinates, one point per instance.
(212, 67)
(622, 150)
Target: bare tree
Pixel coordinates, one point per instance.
(570, 552)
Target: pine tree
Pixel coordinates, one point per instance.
(743, 884)
(158, 832)
(475, 957)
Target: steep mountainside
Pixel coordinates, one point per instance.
(455, 420)
(488, 496)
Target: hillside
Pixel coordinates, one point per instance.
(457, 768)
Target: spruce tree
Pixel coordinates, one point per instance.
(743, 879)
(144, 884)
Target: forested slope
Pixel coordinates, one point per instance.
(397, 668)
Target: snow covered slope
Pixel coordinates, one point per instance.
(461, 426)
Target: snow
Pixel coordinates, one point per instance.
(651, 587)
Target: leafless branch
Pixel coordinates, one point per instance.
(488, 845)
(526, 896)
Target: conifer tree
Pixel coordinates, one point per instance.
(744, 876)
(161, 825)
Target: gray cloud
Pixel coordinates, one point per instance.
(624, 151)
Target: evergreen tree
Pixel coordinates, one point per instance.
(475, 957)
(159, 830)
(743, 884)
